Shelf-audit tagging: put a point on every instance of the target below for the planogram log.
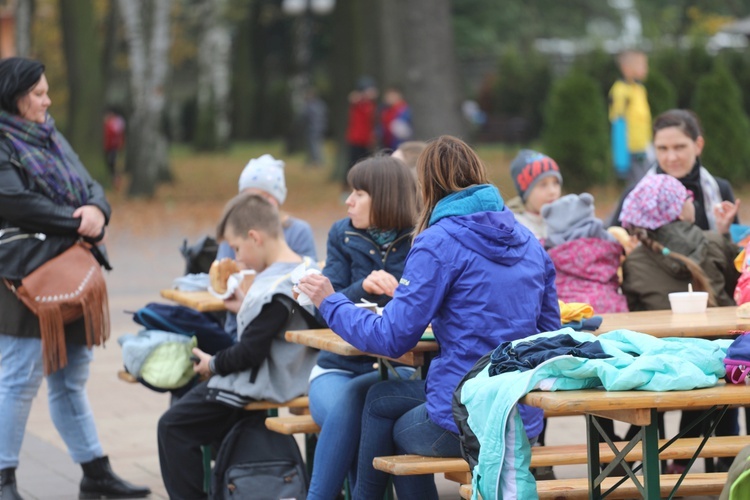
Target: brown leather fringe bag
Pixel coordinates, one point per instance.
(60, 291)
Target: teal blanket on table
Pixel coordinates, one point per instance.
(638, 362)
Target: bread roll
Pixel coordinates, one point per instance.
(220, 272)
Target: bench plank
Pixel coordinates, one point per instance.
(301, 402)
(296, 424)
(694, 484)
(126, 377)
(595, 400)
(541, 456)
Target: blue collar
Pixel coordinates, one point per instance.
(477, 198)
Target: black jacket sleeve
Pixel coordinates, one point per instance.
(26, 208)
(23, 206)
(255, 341)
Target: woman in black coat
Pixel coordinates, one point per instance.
(48, 202)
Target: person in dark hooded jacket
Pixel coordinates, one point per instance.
(479, 278)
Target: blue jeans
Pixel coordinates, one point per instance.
(21, 373)
(395, 422)
(336, 403)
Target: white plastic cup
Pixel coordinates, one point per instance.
(688, 302)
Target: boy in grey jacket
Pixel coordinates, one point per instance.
(262, 365)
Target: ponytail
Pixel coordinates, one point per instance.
(699, 279)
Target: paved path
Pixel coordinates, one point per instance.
(126, 415)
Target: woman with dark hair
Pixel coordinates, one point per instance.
(479, 278)
(678, 141)
(48, 202)
(365, 260)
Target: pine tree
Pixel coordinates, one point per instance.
(662, 94)
(726, 127)
(576, 132)
(523, 81)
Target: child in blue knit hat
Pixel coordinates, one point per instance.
(538, 181)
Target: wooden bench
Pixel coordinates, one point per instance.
(693, 484)
(295, 424)
(297, 406)
(127, 377)
(456, 469)
(301, 402)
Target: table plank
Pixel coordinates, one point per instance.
(599, 400)
(325, 339)
(201, 301)
(715, 322)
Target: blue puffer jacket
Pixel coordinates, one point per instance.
(479, 277)
(352, 256)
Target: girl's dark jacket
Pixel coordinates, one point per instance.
(648, 277)
(352, 256)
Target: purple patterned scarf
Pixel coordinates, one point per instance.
(41, 155)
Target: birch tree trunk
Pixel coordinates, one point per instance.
(147, 33)
(24, 15)
(214, 77)
(86, 84)
(431, 84)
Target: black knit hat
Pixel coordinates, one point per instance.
(528, 167)
(17, 77)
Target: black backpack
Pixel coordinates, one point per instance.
(255, 462)
(200, 255)
(467, 438)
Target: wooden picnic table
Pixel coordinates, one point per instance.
(714, 323)
(326, 340)
(639, 408)
(201, 301)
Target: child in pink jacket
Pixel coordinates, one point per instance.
(585, 255)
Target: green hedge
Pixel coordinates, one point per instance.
(726, 128)
(576, 131)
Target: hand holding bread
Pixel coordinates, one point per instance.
(220, 272)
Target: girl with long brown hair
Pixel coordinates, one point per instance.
(478, 277)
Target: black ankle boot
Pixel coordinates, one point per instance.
(8, 489)
(100, 482)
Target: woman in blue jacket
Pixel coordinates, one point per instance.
(365, 260)
(478, 277)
